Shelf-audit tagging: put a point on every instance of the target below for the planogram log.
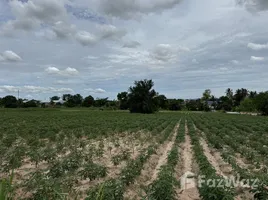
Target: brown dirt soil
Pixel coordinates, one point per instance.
(126, 143)
(189, 190)
(133, 143)
(150, 169)
(222, 168)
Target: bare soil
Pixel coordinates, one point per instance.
(189, 190)
(223, 168)
(151, 169)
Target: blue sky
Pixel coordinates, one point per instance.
(100, 47)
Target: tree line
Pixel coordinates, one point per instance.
(142, 98)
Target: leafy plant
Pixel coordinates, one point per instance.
(93, 171)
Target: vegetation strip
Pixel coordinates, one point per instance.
(209, 173)
(259, 192)
(164, 186)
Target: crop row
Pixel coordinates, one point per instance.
(164, 187)
(208, 172)
(229, 155)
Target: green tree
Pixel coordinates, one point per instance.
(229, 93)
(204, 101)
(100, 102)
(175, 104)
(247, 105)
(73, 100)
(206, 95)
(54, 98)
(31, 104)
(224, 103)
(142, 98)
(192, 105)
(261, 102)
(252, 94)
(239, 96)
(65, 97)
(10, 102)
(123, 100)
(162, 101)
(88, 101)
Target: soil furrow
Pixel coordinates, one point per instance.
(151, 169)
(189, 188)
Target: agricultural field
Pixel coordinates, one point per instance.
(112, 155)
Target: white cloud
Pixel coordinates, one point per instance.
(33, 13)
(90, 58)
(254, 58)
(10, 56)
(110, 31)
(254, 5)
(63, 29)
(70, 71)
(66, 72)
(42, 11)
(85, 38)
(98, 90)
(33, 89)
(52, 70)
(255, 46)
(127, 9)
(236, 62)
(164, 53)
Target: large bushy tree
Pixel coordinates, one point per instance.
(100, 102)
(72, 100)
(142, 97)
(239, 96)
(88, 101)
(10, 102)
(247, 105)
(122, 97)
(261, 102)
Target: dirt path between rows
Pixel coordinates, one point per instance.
(163, 159)
(222, 168)
(189, 190)
(151, 168)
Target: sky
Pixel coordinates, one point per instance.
(100, 47)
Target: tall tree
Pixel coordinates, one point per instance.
(10, 102)
(54, 98)
(252, 94)
(174, 104)
(100, 102)
(229, 93)
(123, 100)
(88, 101)
(65, 97)
(261, 102)
(247, 105)
(206, 95)
(142, 97)
(162, 101)
(240, 95)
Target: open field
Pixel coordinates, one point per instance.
(110, 155)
